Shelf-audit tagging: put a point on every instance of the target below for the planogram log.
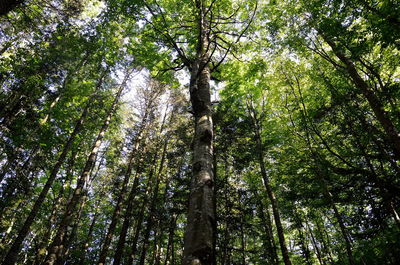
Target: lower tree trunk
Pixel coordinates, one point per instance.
(302, 238)
(115, 216)
(87, 241)
(149, 188)
(274, 203)
(126, 223)
(275, 209)
(242, 233)
(342, 227)
(121, 196)
(69, 239)
(316, 248)
(269, 245)
(57, 250)
(171, 233)
(12, 255)
(199, 234)
(151, 216)
(325, 243)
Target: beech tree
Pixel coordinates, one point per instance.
(199, 132)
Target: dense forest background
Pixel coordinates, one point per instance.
(200, 132)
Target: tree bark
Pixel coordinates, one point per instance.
(88, 239)
(270, 193)
(302, 237)
(269, 246)
(342, 226)
(150, 219)
(316, 248)
(128, 214)
(12, 254)
(171, 233)
(199, 234)
(140, 218)
(376, 105)
(117, 209)
(57, 250)
(126, 223)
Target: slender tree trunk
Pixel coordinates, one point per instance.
(7, 233)
(41, 254)
(150, 219)
(227, 208)
(302, 238)
(12, 254)
(342, 226)
(374, 102)
(114, 220)
(88, 239)
(138, 228)
(269, 246)
(173, 214)
(129, 210)
(57, 249)
(171, 233)
(270, 193)
(242, 233)
(117, 209)
(325, 243)
(149, 225)
(69, 239)
(141, 216)
(20, 183)
(126, 224)
(157, 244)
(316, 248)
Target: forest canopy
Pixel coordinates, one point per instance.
(200, 132)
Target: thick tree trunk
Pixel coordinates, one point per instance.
(199, 234)
(198, 243)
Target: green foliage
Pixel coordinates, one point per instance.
(285, 99)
